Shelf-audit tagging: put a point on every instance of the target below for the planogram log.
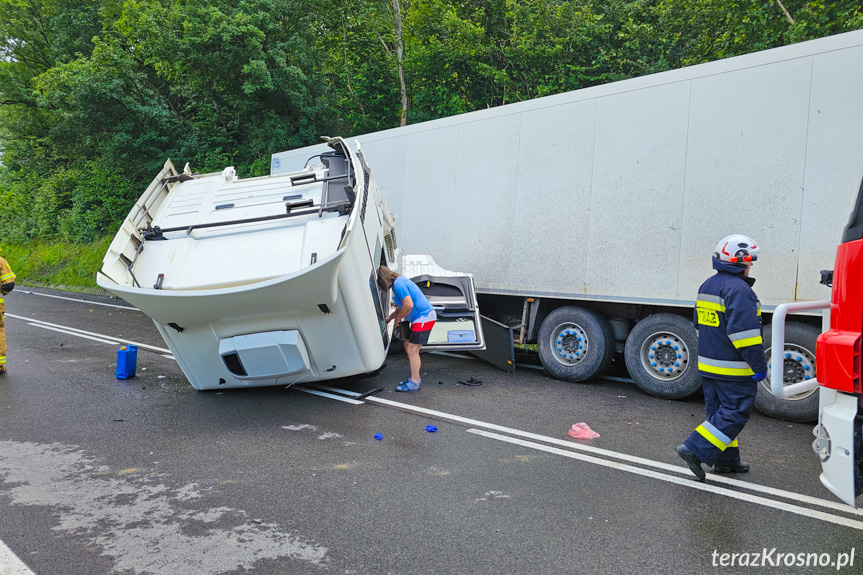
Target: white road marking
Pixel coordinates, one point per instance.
(114, 340)
(327, 395)
(692, 483)
(82, 301)
(70, 333)
(10, 564)
(799, 497)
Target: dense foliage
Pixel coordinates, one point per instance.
(95, 94)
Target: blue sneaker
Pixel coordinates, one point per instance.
(408, 385)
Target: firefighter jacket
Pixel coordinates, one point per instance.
(728, 319)
(7, 279)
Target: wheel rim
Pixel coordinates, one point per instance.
(798, 365)
(664, 356)
(569, 344)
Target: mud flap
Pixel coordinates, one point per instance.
(499, 349)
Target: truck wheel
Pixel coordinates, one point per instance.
(662, 356)
(575, 343)
(799, 359)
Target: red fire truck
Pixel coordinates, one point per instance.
(839, 433)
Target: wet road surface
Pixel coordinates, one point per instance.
(148, 475)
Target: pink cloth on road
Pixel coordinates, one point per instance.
(582, 431)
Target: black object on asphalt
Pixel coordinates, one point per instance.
(369, 392)
(471, 382)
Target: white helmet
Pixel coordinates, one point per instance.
(737, 249)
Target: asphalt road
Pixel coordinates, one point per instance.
(149, 476)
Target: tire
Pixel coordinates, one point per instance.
(799, 343)
(575, 343)
(662, 356)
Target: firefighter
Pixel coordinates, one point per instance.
(7, 284)
(731, 357)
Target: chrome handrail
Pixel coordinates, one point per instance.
(778, 343)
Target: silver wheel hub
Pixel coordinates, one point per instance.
(569, 344)
(798, 364)
(664, 356)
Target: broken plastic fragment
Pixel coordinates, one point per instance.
(379, 437)
(431, 428)
(582, 431)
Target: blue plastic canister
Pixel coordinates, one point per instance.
(127, 359)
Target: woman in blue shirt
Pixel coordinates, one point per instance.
(414, 308)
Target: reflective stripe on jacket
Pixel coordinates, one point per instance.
(6, 276)
(728, 319)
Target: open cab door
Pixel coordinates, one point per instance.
(458, 326)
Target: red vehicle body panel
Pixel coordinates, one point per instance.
(838, 350)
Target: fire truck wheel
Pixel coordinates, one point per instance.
(662, 356)
(799, 365)
(575, 343)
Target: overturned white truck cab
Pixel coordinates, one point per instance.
(272, 280)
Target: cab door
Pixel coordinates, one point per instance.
(458, 326)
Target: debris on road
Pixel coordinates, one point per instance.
(471, 381)
(582, 431)
(431, 428)
(379, 437)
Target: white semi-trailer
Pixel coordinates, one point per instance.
(588, 218)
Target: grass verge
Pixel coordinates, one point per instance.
(70, 267)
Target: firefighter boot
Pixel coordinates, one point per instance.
(738, 467)
(692, 461)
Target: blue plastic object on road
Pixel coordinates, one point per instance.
(431, 428)
(379, 437)
(127, 359)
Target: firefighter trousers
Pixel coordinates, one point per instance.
(2, 340)
(728, 405)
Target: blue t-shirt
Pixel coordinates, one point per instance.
(404, 287)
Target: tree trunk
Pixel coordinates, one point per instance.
(400, 56)
(785, 11)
